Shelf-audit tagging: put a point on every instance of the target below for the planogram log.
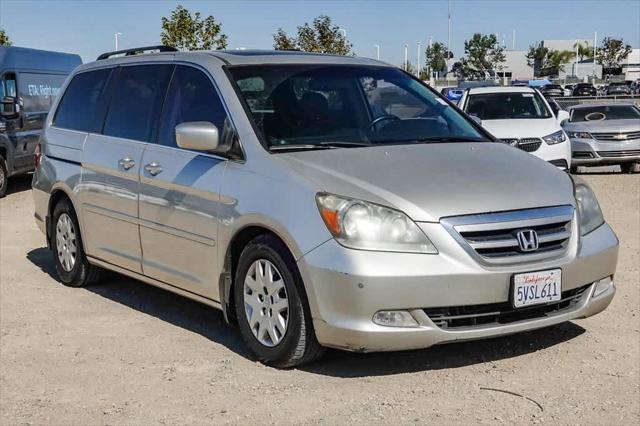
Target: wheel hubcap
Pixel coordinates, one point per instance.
(66, 242)
(266, 304)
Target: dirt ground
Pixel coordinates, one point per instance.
(126, 353)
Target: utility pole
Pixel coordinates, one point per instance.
(377, 46)
(406, 53)
(116, 37)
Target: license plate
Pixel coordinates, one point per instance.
(533, 288)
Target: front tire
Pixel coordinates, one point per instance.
(4, 178)
(271, 306)
(72, 266)
(630, 167)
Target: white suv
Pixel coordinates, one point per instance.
(522, 118)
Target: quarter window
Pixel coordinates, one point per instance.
(80, 106)
(136, 101)
(191, 97)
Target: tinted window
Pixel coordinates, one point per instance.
(506, 105)
(80, 105)
(136, 101)
(191, 97)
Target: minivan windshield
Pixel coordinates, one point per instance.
(605, 112)
(321, 106)
(507, 105)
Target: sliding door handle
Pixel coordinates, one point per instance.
(126, 163)
(153, 168)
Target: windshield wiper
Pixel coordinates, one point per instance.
(299, 147)
(344, 144)
(452, 139)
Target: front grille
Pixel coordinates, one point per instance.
(616, 136)
(619, 154)
(501, 313)
(525, 144)
(559, 163)
(582, 154)
(492, 236)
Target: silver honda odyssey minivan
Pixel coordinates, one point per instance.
(317, 200)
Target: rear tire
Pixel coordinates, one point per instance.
(4, 178)
(271, 305)
(630, 167)
(72, 266)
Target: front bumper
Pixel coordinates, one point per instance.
(591, 152)
(347, 287)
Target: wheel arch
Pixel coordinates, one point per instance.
(58, 193)
(238, 241)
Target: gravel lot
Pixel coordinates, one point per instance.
(125, 352)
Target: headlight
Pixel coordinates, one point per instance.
(367, 226)
(579, 135)
(589, 213)
(555, 138)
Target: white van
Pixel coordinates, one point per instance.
(522, 118)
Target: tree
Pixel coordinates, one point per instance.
(484, 54)
(321, 36)
(191, 32)
(547, 62)
(4, 38)
(584, 51)
(408, 67)
(612, 52)
(437, 55)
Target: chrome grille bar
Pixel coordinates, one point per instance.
(492, 236)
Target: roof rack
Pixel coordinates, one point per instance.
(137, 51)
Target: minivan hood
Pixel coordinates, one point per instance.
(431, 181)
(521, 128)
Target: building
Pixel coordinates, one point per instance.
(515, 66)
(631, 65)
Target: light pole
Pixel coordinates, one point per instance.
(449, 35)
(575, 63)
(595, 43)
(116, 37)
(513, 40)
(377, 46)
(343, 31)
(406, 52)
(418, 62)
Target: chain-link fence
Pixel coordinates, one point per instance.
(569, 101)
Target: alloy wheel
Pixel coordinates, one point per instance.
(266, 304)
(66, 242)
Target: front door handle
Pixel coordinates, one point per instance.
(153, 168)
(126, 163)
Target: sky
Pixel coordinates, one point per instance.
(87, 27)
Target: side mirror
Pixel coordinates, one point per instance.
(476, 119)
(562, 116)
(9, 107)
(198, 135)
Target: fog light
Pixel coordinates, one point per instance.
(395, 319)
(602, 286)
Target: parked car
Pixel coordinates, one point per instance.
(635, 87)
(605, 134)
(522, 118)
(319, 201)
(552, 90)
(568, 89)
(29, 82)
(584, 89)
(452, 93)
(618, 88)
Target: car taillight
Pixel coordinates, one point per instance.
(37, 156)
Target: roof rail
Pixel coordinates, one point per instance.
(137, 51)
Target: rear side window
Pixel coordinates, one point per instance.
(80, 106)
(136, 101)
(191, 97)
